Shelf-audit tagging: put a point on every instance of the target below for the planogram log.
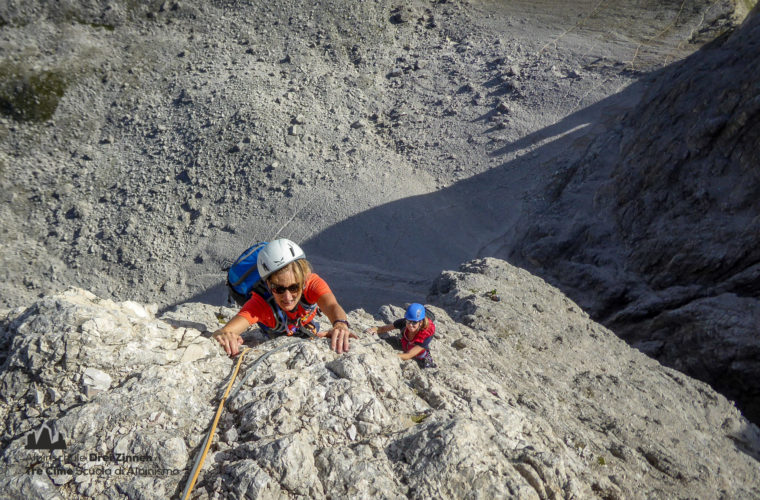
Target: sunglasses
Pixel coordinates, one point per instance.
(280, 289)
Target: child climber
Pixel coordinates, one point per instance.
(416, 334)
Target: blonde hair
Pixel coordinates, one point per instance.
(300, 269)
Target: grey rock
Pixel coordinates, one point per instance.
(538, 404)
(120, 229)
(666, 253)
(96, 380)
(295, 130)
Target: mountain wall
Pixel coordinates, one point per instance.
(530, 399)
(656, 229)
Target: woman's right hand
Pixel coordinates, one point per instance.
(371, 330)
(231, 342)
(229, 335)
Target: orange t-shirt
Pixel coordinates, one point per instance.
(256, 310)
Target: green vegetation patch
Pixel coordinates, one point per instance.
(30, 96)
(107, 27)
(419, 417)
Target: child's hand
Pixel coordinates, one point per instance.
(371, 330)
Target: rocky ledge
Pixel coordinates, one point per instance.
(530, 399)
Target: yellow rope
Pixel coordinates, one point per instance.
(210, 436)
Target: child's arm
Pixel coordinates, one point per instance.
(379, 329)
(414, 351)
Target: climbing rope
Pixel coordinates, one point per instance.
(260, 359)
(229, 396)
(201, 457)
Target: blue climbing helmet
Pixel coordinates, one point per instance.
(415, 312)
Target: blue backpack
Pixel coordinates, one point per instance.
(243, 276)
(243, 280)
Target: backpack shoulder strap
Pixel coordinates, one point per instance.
(281, 320)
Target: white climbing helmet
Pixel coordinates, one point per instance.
(276, 255)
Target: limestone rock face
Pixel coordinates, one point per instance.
(656, 230)
(113, 380)
(530, 399)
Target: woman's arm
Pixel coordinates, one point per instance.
(339, 333)
(414, 351)
(229, 335)
(379, 329)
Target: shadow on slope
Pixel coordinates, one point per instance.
(392, 252)
(667, 253)
(417, 237)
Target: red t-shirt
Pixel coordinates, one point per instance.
(256, 310)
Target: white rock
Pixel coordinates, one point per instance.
(96, 379)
